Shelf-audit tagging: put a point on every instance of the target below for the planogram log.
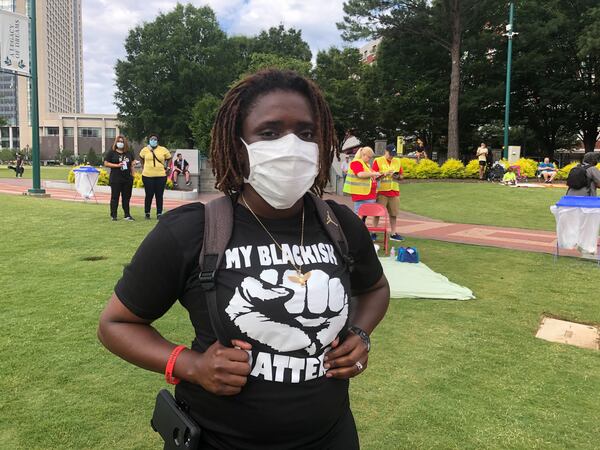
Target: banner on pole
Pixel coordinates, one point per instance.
(14, 42)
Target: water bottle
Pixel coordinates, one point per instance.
(393, 252)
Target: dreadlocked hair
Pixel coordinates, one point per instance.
(227, 129)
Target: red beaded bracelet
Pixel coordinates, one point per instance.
(171, 365)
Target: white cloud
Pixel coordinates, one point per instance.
(107, 22)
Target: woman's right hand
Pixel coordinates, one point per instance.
(220, 370)
(375, 174)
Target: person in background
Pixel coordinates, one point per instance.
(181, 166)
(18, 167)
(120, 161)
(307, 339)
(154, 159)
(509, 177)
(361, 181)
(547, 170)
(421, 152)
(388, 190)
(345, 165)
(590, 160)
(482, 155)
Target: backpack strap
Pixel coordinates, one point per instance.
(218, 228)
(333, 228)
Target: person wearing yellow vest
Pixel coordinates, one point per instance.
(361, 181)
(388, 190)
(154, 175)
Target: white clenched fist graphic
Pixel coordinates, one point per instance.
(288, 316)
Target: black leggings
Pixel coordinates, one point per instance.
(154, 186)
(120, 189)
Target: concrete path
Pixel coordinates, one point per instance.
(411, 225)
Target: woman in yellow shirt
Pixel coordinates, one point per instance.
(154, 175)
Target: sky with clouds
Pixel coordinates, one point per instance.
(107, 22)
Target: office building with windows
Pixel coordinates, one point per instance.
(63, 122)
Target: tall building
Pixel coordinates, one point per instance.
(368, 52)
(63, 124)
(9, 103)
(60, 52)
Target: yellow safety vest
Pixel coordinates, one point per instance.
(388, 183)
(355, 185)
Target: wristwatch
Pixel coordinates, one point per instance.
(363, 335)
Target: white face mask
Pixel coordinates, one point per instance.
(120, 145)
(283, 170)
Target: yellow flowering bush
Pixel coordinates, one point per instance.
(564, 172)
(472, 169)
(408, 167)
(528, 167)
(427, 169)
(453, 168)
(138, 182)
(102, 178)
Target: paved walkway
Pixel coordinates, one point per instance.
(411, 225)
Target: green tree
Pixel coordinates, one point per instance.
(203, 117)
(259, 61)
(92, 158)
(585, 16)
(441, 22)
(171, 63)
(339, 74)
(556, 87)
(286, 43)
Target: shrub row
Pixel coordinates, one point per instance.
(454, 168)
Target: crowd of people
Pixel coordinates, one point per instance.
(157, 167)
(375, 180)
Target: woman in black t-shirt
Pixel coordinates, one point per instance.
(283, 291)
(120, 160)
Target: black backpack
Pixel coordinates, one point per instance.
(578, 178)
(218, 228)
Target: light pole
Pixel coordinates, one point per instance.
(35, 112)
(510, 34)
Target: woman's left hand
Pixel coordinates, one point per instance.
(348, 359)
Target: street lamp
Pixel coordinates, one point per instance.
(35, 113)
(509, 34)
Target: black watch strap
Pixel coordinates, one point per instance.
(363, 335)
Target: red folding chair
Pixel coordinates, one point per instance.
(376, 210)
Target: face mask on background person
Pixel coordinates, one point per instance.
(153, 143)
(283, 170)
(120, 145)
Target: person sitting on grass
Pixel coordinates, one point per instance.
(509, 177)
(547, 170)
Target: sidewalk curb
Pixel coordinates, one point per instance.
(136, 192)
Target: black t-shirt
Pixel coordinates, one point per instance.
(181, 165)
(287, 402)
(124, 173)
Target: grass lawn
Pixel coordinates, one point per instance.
(482, 203)
(442, 374)
(47, 172)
